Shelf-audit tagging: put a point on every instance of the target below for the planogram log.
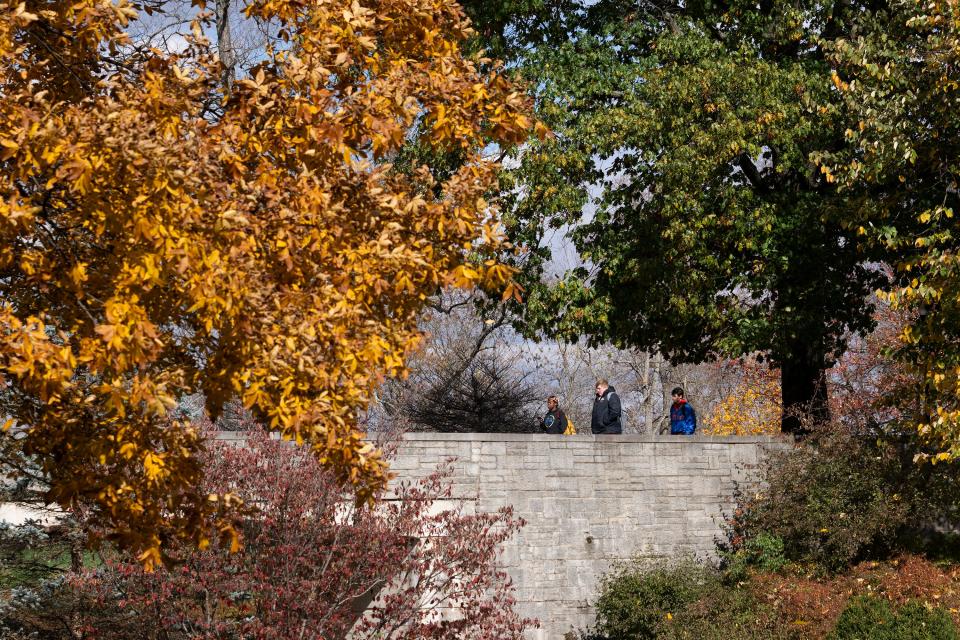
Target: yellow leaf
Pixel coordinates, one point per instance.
(150, 559)
(153, 466)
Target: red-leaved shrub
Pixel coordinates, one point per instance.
(317, 564)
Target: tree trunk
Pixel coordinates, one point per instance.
(77, 541)
(803, 386)
(225, 44)
(648, 394)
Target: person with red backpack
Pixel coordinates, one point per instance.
(683, 419)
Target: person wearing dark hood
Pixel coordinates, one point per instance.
(606, 410)
(555, 422)
(683, 419)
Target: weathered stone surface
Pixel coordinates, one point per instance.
(590, 501)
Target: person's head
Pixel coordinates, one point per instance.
(552, 403)
(677, 394)
(602, 385)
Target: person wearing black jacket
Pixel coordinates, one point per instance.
(555, 422)
(606, 410)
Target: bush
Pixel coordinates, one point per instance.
(916, 622)
(763, 551)
(679, 600)
(846, 496)
(840, 499)
(316, 562)
(637, 596)
(869, 618)
(863, 618)
(725, 613)
(316, 558)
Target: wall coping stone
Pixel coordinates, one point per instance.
(698, 438)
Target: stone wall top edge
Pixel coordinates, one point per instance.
(538, 437)
(543, 437)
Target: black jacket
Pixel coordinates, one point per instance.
(554, 422)
(606, 413)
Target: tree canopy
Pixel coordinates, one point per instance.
(690, 131)
(160, 235)
(899, 79)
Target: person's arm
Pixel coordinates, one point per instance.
(613, 408)
(563, 421)
(693, 417)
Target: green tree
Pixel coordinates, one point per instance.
(900, 166)
(689, 129)
(507, 28)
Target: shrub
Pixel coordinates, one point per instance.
(725, 613)
(915, 621)
(679, 600)
(869, 618)
(863, 618)
(763, 551)
(839, 499)
(316, 563)
(636, 597)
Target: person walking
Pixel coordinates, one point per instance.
(606, 410)
(683, 419)
(555, 422)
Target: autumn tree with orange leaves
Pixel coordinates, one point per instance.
(161, 237)
(752, 406)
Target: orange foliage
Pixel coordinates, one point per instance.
(753, 407)
(160, 238)
(812, 605)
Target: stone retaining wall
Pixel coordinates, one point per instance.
(589, 501)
